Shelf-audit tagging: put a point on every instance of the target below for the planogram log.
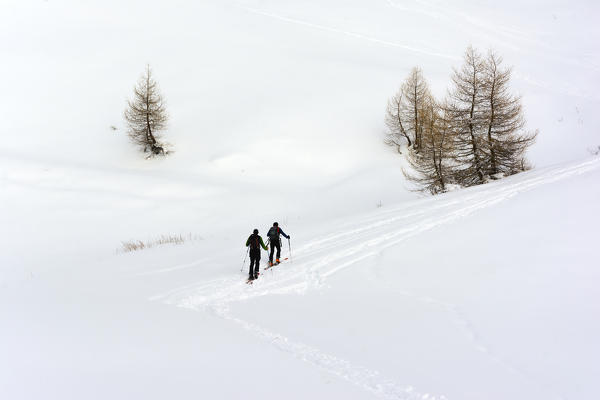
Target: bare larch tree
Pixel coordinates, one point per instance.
(466, 109)
(146, 115)
(432, 166)
(506, 140)
(477, 133)
(393, 119)
(403, 116)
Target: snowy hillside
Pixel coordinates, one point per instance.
(420, 298)
(276, 114)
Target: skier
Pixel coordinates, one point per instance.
(275, 242)
(255, 242)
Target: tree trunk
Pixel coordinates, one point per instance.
(417, 137)
(473, 142)
(402, 127)
(439, 167)
(494, 169)
(149, 135)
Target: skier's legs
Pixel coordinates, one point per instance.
(251, 267)
(251, 272)
(271, 252)
(278, 249)
(254, 261)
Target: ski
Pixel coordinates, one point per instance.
(276, 263)
(250, 280)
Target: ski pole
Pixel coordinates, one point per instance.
(290, 248)
(269, 263)
(244, 263)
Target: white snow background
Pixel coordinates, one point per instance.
(276, 114)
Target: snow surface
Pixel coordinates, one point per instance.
(277, 114)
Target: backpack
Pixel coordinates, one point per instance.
(273, 234)
(254, 242)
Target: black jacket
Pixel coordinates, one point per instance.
(274, 233)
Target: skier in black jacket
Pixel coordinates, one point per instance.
(255, 242)
(275, 241)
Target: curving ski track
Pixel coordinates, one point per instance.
(324, 256)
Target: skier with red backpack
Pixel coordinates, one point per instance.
(254, 243)
(275, 242)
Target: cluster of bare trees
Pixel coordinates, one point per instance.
(146, 115)
(475, 134)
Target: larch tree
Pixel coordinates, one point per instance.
(146, 115)
(403, 116)
(506, 141)
(432, 166)
(476, 133)
(467, 113)
(416, 94)
(393, 119)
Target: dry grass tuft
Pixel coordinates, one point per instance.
(135, 245)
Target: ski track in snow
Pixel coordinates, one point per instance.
(354, 242)
(367, 379)
(348, 33)
(514, 39)
(459, 19)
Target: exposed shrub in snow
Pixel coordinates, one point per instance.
(595, 151)
(135, 245)
(146, 115)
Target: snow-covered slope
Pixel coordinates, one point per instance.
(277, 114)
(251, 80)
(488, 293)
(276, 107)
